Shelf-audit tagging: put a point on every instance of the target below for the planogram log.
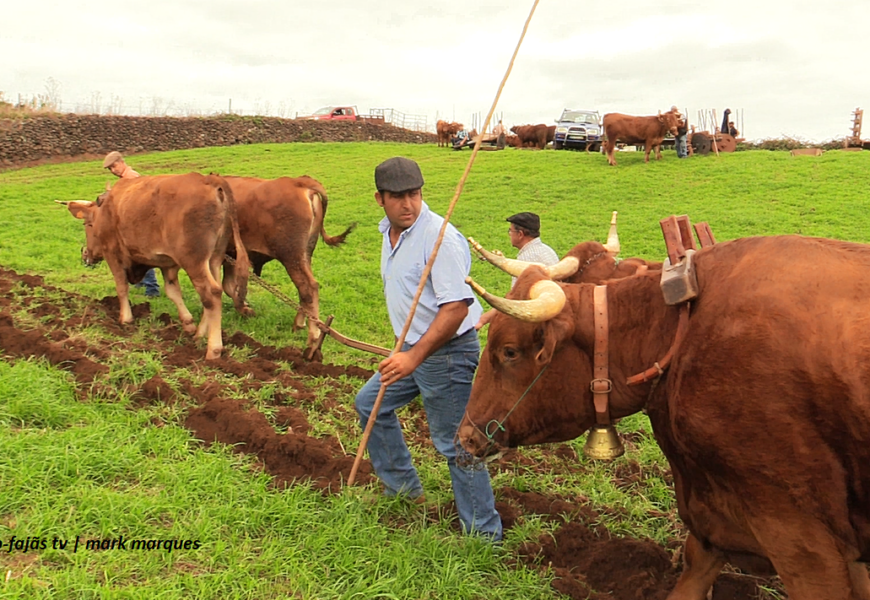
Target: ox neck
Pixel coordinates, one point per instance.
(641, 330)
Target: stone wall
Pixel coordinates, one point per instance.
(49, 137)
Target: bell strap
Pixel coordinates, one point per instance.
(601, 385)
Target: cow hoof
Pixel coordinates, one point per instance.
(213, 354)
(189, 327)
(248, 312)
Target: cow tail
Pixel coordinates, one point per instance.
(330, 240)
(243, 263)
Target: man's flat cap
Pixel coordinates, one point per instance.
(526, 220)
(398, 174)
(111, 159)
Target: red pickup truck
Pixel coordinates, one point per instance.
(335, 113)
(342, 113)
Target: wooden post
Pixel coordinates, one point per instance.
(715, 131)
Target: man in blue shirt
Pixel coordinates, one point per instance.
(441, 349)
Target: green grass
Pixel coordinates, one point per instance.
(740, 194)
(100, 469)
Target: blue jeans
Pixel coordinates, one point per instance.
(444, 381)
(681, 147)
(152, 288)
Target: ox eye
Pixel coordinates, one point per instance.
(510, 353)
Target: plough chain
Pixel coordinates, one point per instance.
(324, 327)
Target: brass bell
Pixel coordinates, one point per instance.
(603, 443)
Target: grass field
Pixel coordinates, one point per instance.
(97, 469)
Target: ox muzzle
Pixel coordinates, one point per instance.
(476, 446)
(88, 260)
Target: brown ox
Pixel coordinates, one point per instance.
(281, 219)
(763, 414)
(513, 141)
(587, 262)
(597, 262)
(173, 222)
(649, 131)
(597, 265)
(532, 135)
(445, 131)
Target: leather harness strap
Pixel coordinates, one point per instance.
(601, 385)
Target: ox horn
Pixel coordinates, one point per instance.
(612, 245)
(561, 270)
(564, 268)
(546, 301)
(64, 202)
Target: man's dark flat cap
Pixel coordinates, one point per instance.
(398, 174)
(526, 220)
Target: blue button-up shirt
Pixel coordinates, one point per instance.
(402, 266)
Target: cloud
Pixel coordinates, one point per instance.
(792, 66)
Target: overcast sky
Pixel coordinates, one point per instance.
(794, 67)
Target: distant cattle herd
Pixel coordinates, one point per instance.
(618, 128)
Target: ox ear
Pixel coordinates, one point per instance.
(80, 209)
(555, 331)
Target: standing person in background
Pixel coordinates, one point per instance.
(525, 234)
(725, 119)
(680, 144)
(440, 353)
(499, 132)
(114, 162)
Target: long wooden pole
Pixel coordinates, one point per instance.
(400, 342)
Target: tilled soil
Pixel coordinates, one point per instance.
(583, 556)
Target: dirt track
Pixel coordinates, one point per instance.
(581, 554)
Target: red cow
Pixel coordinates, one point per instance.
(532, 135)
(173, 222)
(763, 413)
(649, 131)
(282, 219)
(441, 131)
(445, 131)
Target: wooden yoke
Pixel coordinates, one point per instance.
(673, 239)
(678, 282)
(705, 236)
(686, 232)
